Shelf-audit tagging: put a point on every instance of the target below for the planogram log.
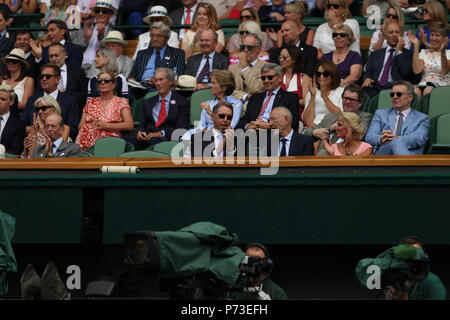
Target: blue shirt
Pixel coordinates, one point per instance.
(149, 71)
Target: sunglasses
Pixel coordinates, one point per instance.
(284, 56)
(249, 47)
(350, 99)
(263, 78)
(398, 94)
(393, 16)
(222, 116)
(246, 17)
(340, 34)
(12, 61)
(47, 76)
(243, 32)
(100, 81)
(42, 108)
(104, 11)
(334, 6)
(325, 74)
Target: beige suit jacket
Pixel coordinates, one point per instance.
(247, 81)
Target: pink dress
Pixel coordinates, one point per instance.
(89, 133)
(362, 147)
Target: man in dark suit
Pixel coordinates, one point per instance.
(389, 64)
(291, 143)
(272, 13)
(55, 147)
(12, 129)
(261, 104)
(219, 140)
(161, 115)
(290, 31)
(6, 38)
(49, 79)
(184, 15)
(57, 32)
(73, 80)
(22, 41)
(201, 66)
(157, 55)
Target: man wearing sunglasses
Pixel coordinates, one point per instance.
(389, 64)
(399, 130)
(50, 76)
(219, 140)
(260, 105)
(352, 101)
(247, 71)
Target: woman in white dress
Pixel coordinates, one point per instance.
(337, 12)
(325, 94)
(16, 70)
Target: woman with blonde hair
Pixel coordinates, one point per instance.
(393, 14)
(350, 134)
(44, 106)
(294, 11)
(433, 12)
(205, 18)
(337, 12)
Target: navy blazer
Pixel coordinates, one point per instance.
(173, 58)
(414, 129)
(178, 117)
(220, 62)
(74, 55)
(283, 98)
(13, 135)
(69, 111)
(401, 68)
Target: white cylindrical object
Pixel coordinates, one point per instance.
(119, 169)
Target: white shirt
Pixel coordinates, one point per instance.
(3, 122)
(323, 39)
(64, 75)
(320, 107)
(53, 94)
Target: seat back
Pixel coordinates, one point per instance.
(109, 147)
(167, 147)
(196, 98)
(143, 154)
(443, 129)
(137, 107)
(439, 101)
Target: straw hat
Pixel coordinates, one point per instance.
(105, 4)
(186, 82)
(158, 11)
(16, 54)
(114, 36)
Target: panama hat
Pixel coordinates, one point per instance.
(105, 4)
(16, 54)
(186, 82)
(114, 36)
(158, 11)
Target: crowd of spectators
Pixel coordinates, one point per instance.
(79, 62)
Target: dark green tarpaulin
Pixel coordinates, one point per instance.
(8, 261)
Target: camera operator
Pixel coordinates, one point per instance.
(259, 286)
(430, 288)
(405, 272)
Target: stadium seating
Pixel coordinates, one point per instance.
(167, 147)
(196, 98)
(439, 139)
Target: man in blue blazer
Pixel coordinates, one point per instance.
(394, 58)
(399, 130)
(161, 115)
(49, 79)
(157, 55)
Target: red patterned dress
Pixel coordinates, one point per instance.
(89, 133)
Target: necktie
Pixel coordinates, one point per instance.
(162, 113)
(387, 68)
(188, 18)
(61, 83)
(266, 103)
(283, 148)
(398, 132)
(158, 59)
(205, 71)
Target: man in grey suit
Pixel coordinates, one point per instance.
(55, 147)
(201, 66)
(399, 130)
(352, 101)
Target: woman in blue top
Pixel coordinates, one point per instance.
(433, 12)
(222, 86)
